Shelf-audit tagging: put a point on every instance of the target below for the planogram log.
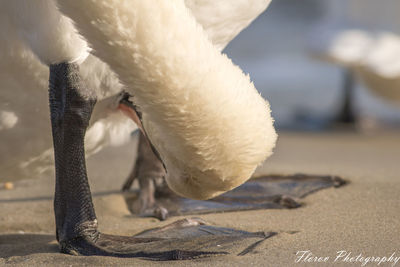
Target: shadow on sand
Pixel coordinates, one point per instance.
(26, 244)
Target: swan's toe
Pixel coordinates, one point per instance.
(155, 211)
(287, 202)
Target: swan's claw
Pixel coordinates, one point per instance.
(156, 211)
(287, 202)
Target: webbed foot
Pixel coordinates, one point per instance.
(124, 247)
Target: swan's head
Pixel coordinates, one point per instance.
(210, 150)
(207, 155)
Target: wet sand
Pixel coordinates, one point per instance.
(362, 217)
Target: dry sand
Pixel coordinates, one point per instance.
(362, 217)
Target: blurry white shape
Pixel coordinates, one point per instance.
(8, 120)
(112, 130)
(350, 46)
(384, 57)
(346, 47)
(375, 58)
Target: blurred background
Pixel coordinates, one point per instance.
(306, 92)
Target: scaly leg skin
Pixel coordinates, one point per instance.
(71, 105)
(150, 172)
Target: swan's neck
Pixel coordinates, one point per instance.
(203, 114)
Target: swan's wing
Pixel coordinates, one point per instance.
(223, 20)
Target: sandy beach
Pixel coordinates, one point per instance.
(359, 218)
(355, 225)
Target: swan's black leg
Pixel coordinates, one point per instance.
(346, 114)
(71, 105)
(150, 172)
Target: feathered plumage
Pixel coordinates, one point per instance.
(208, 122)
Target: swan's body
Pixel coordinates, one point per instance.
(221, 21)
(23, 95)
(375, 58)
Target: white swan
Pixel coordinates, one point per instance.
(190, 97)
(221, 21)
(373, 57)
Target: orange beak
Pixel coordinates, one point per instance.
(131, 110)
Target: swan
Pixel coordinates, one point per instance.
(187, 95)
(372, 57)
(380, 69)
(222, 23)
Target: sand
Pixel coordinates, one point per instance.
(362, 217)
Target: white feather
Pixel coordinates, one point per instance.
(51, 36)
(224, 20)
(208, 122)
(24, 114)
